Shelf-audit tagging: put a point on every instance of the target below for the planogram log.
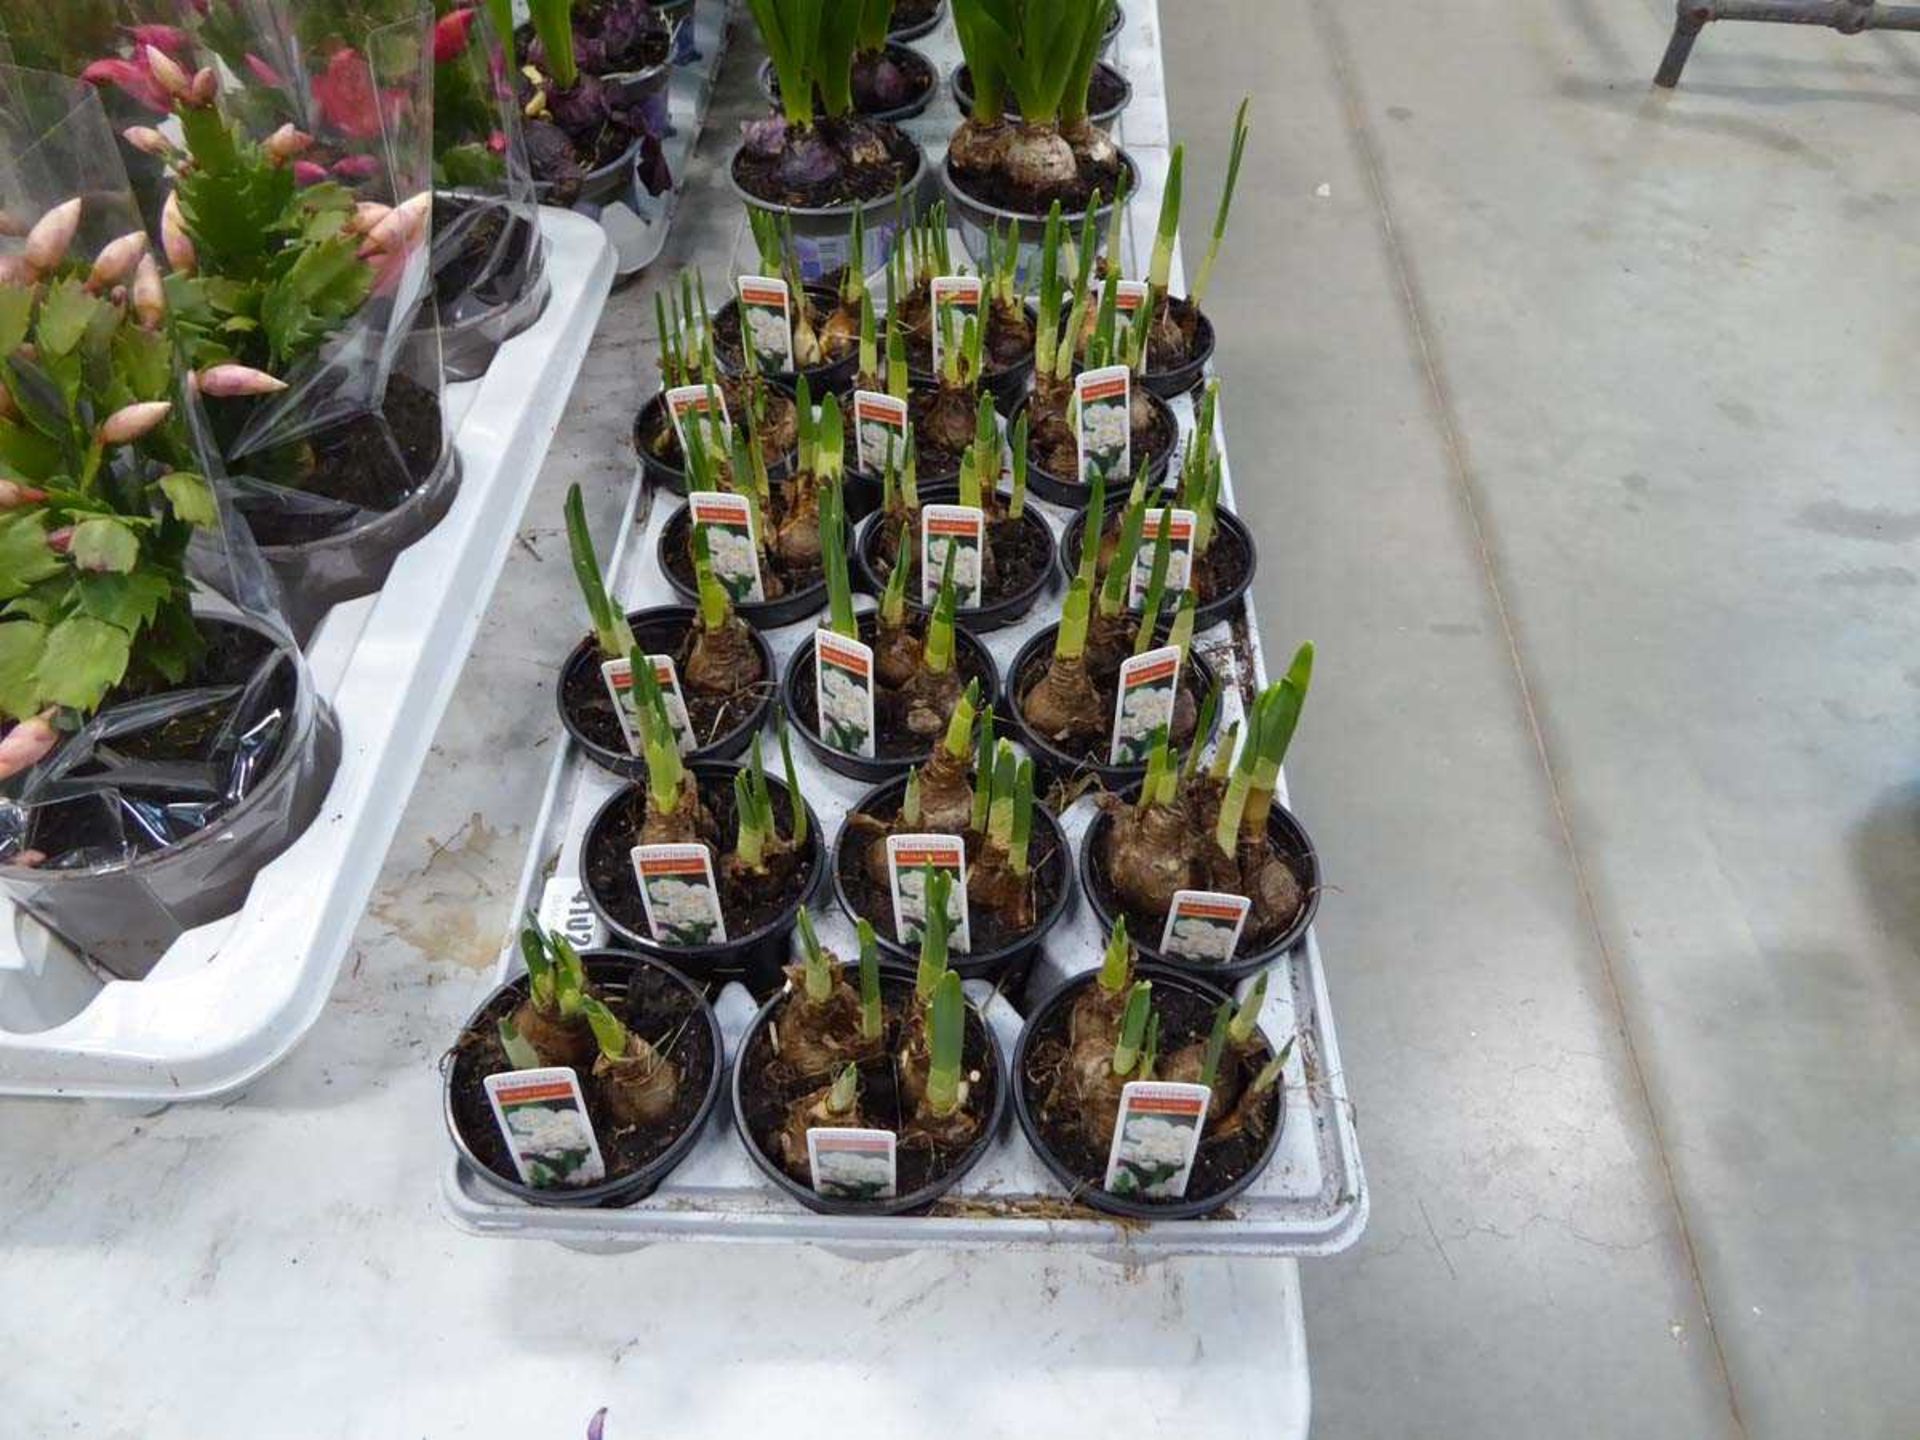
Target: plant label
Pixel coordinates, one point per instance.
(907, 859)
(1204, 925)
(1128, 296)
(852, 1164)
(619, 677)
(961, 529)
(880, 430)
(728, 520)
(1155, 1139)
(766, 322)
(843, 691)
(696, 401)
(564, 909)
(1143, 707)
(1179, 554)
(543, 1117)
(955, 300)
(1103, 399)
(677, 889)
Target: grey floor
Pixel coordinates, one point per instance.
(1577, 423)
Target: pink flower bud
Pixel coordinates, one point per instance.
(149, 293)
(14, 270)
(204, 87)
(355, 167)
(450, 35)
(60, 541)
(27, 744)
(12, 226)
(167, 73)
(402, 226)
(263, 72)
(366, 215)
(130, 422)
(173, 237)
(117, 260)
(225, 381)
(497, 142)
(169, 38)
(148, 141)
(305, 172)
(47, 242)
(286, 143)
(13, 494)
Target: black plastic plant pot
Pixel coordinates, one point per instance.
(916, 19)
(1238, 556)
(1035, 541)
(668, 472)
(797, 692)
(123, 914)
(757, 1124)
(834, 377)
(1109, 93)
(904, 56)
(619, 979)
(1290, 842)
(821, 232)
(586, 709)
(1067, 489)
(1052, 860)
(674, 556)
(1006, 385)
(755, 958)
(1049, 758)
(1168, 384)
(1045, 1024)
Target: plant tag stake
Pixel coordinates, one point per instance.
(1128, 296)
(1204, 925)
(879, 421)
(1179, 555)
(677, 889)
(544, 1118)
(1155, 1139)
(852, 1164)
(728, 521)
(957, 296)
(766, 319)
(1149, 684)
(843, 691)
(619, 677)
(963, 529)
(1102, 398)
(564, 909)
(685, 400)
(907, 855)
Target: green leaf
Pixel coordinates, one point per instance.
(144, 361)
(127, 602)
(191, 497)
(37, 396)
(105, 545)
(21, 645)
(16, 313)
(24, 556)
(27, 455)
(65, 315)
(84, 658)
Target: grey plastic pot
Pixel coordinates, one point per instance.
(961, 83)
(316, 575)
(1086, 1188)
(1289, 839)
(122, 918)
(904, 56)
(920, 27)
(820, 234)
(914, 1201)
(976, 219)
(610, 972)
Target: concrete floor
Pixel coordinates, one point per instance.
(1588, 454)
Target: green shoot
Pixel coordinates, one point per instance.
(947, 1034)
(1113, 587)
(794, 799)
(1234, 802)
(910, 475)
(999, 827)
(569, 975)
(829, 453)
(844, 1090)
(1116, 965)
(1092, 524)
(1285, 702)
(1133, 1028)
(983, 774)
(910, 802)
(871, 1016)
(808, 425)
(1216, 1043)
(792, 32)
(819, 964)
(608, 1032)
(753, 836)
(1246, 1019)
(610, 629)
(980, 466)
(1156, 787)
(715, 604)
(853, 281)
(833, 555)
(1269, 1075)
(1161, 266)
(1156, 587)
(666, 774)
(869, 347)
(1022, 819)
(1070, 641)
(1180, 633)
(1046, 335)
(899, 379)
(959, 734)
(1017, 506)
(893, 599)
(937, 654)
(1209, 710)
(1077, 315)
(519, 1051)
(553, 23)
(938, 890)
(540, 976)
(1150, 1050)
(1223, 754)
(1239, 149)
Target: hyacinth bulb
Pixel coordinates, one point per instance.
(52, 236)
(224, 382)
(130, 422)
(117, 260)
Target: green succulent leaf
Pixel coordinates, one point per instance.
(128, 601)
(105, 545)
(22, 643)
(16, 313)
(24, 557)
(65, 315)
(191, 497)
(84, 658)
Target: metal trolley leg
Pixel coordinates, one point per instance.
(1849, 17)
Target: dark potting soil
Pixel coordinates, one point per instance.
(1184, 1018)
(728, 350)
(1047, 873)
(584, 692)
(677, 551)
(894, 741)
(1214, 574)
(655, 1007)
(760, 175)
(1168, 348)
(479, 237)
(1104, 91)
(607, 864)
(769, 1085)
(1053, 448)
(908, 13)
(1019, 559)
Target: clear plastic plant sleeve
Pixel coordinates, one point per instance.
(153, 810)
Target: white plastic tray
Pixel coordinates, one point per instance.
(1313, 1198)
(229, 999)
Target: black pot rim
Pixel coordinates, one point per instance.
(963, 94)
(984, 618)
(1088, 1192)
(901, 52)
(625, 1189)
(633, 767)
(976, 964)
(1048, 756)
(1221, 607)
(702, 958)
(790, 609)
(907, 1204)
(858, 767)
(1071, 493)
(1283, 826)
